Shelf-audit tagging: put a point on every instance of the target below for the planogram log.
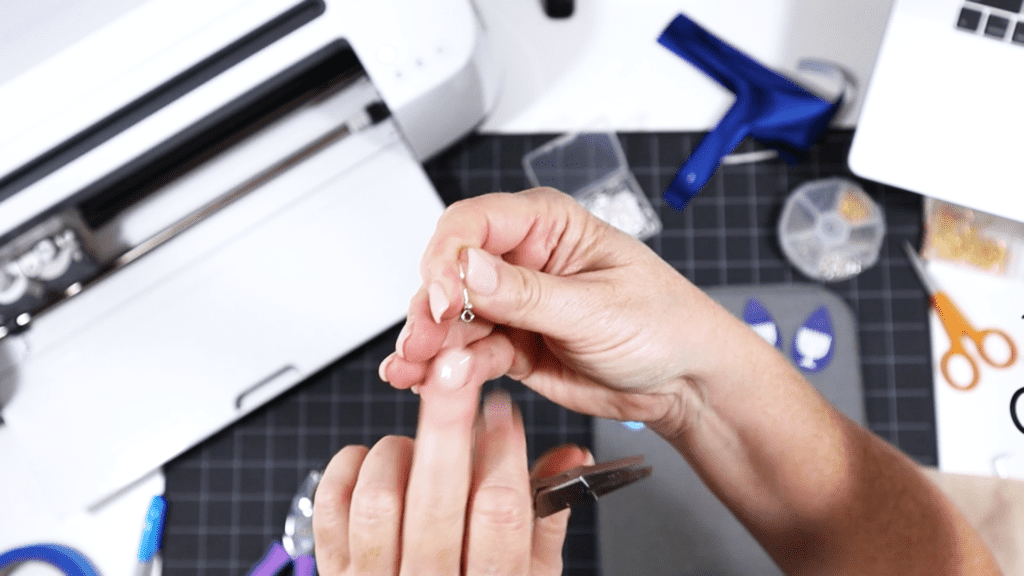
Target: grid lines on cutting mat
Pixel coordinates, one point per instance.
(229, 496)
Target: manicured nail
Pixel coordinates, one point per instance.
(542, 460)
(481, 277)
(498, 410)
(453, 369)
(402, 337)
(438, 300)
(588, 456)
(382, 370)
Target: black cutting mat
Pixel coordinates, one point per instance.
(228, 497)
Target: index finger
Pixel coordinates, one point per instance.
(436, 498)
(541, 229)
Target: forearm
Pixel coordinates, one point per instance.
(820, 493)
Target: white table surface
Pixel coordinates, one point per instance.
(603, 67)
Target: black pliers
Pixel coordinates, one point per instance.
(584, 484)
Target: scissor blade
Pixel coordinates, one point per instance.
(918, 266)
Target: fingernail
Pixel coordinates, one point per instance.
(382, 370)
(415, 388)
(498, 410)
(402, 336)
(588, 456)
(481, 277)
(438, 300)
(543, 459)
(453, 369)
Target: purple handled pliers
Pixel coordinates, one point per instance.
(296, 545)
(584, 484)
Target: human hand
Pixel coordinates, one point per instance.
(456, 500)
(597, 322)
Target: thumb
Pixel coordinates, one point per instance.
(559, 459)
(523, 298)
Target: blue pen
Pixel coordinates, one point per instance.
(152, 534)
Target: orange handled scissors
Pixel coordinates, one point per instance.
(957, 327)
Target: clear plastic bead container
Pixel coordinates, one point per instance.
(831, 229)
(591, 167)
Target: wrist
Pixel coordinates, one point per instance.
(685, 408)
(726, 357)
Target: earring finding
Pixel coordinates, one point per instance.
(467, 308)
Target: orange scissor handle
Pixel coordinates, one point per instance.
(980, 342)
(957, 328)
(945, 368)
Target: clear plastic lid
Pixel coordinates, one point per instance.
(575, 162)
(592, 168)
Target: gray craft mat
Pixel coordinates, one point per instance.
(670, 524)
(790, 305)
(228, 497)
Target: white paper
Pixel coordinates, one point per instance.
(109, 536)
(976, 434)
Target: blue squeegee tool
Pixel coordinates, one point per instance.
(769, 107)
